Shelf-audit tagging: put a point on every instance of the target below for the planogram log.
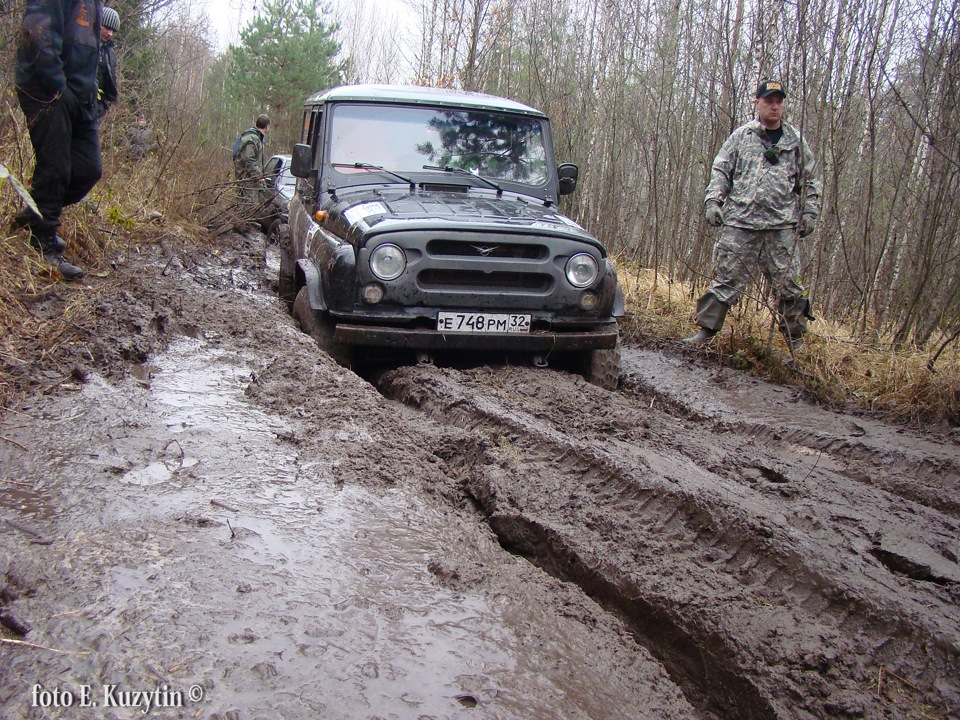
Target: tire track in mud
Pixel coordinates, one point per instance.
(918, 479)
(863, 450)
(753, 618)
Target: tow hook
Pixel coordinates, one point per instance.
(424, 358)
(539, 361)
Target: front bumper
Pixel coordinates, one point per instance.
(599, 338)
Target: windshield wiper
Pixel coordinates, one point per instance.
(376, 168)
(461, 171)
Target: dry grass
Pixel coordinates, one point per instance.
(837, 367)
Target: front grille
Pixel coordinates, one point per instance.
(467, 249)
(472, 280)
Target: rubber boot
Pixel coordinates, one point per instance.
(51, 247)
(792, 320)
(711, 313)
(701, 337)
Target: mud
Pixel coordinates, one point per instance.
(204, 505)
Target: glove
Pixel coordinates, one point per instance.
(714, 214)
(806, 225)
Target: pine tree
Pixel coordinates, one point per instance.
(288, 52)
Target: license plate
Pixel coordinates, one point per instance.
(475, 322)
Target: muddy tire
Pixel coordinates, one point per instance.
(278, 228)
(318, 325)
(287, 277)
(602, 367)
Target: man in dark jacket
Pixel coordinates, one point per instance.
(107, 70)
(56, 81)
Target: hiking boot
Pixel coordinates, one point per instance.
(702, 337)
(65, 268)
(51, 247)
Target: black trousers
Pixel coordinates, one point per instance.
(66, 145)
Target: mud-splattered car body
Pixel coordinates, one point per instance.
(427, 220)
(277, 172)
(282, 186)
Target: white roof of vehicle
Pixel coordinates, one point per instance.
(415, 95)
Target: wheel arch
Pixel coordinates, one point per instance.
(308, 275)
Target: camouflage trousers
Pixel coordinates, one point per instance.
(253, 200)
(742, 255)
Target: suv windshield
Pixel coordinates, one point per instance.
(404, 139)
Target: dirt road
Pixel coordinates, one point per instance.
(211, 519)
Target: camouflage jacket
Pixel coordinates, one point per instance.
(757, 194)
(249, 160)
(59, 49)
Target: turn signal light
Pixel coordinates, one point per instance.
(321, 216)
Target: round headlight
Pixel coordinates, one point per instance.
(388, 262)
(582, 270)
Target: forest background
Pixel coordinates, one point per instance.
(642, 93)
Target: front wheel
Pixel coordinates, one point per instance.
(276, 231)
(318, 325)
(602, 367)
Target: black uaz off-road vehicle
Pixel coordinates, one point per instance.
(427, 220)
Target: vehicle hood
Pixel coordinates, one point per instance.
(361, 216)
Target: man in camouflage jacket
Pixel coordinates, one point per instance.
(765, 192)
(248, 168)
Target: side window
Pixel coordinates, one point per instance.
(305, 130)
(309, 132)
(316, 136)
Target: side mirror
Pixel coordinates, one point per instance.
(568, 174)
(301, 160)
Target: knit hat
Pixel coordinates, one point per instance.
(110, 19)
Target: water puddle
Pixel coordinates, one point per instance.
(323, 588)
(25, 501)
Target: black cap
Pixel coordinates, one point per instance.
(769, 87)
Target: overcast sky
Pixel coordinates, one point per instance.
(227, 17)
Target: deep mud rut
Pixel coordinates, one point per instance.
(214, 512)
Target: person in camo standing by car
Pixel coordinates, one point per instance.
(56, 81)
(765, 192)
(248, 168)
(107, 93)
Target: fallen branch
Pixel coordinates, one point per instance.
(14, 442)
(37, 537)
(15, 482)
(24, 643)
(943, 347)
